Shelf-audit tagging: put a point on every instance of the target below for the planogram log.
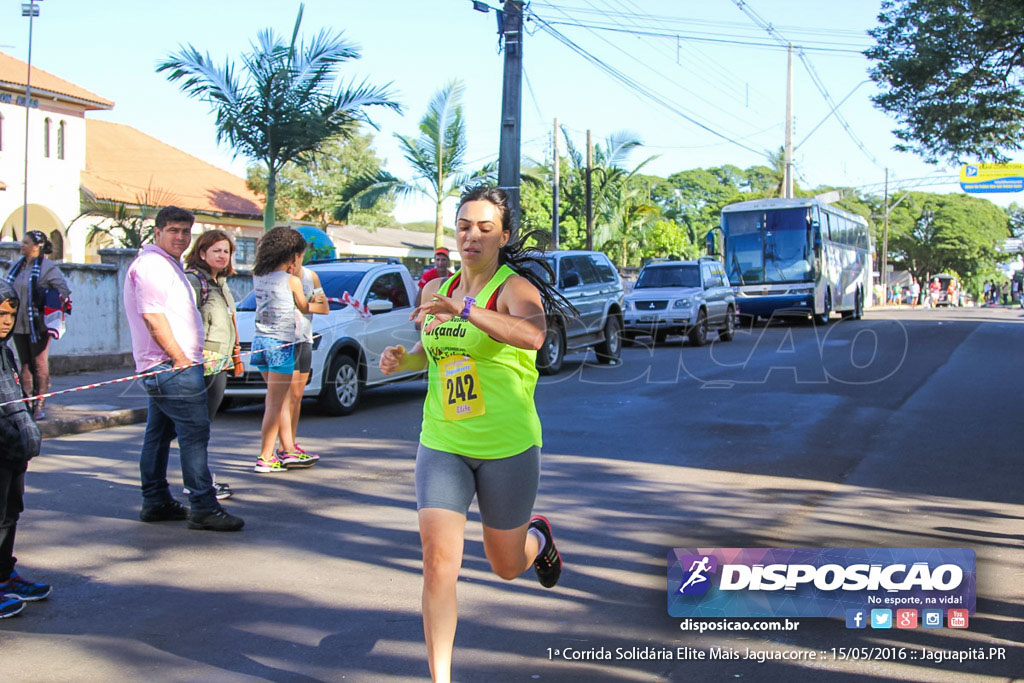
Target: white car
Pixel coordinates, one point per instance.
(346, 345)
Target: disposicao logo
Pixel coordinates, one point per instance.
(817, 582)
(696, 581)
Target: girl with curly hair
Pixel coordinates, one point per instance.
(280, 301)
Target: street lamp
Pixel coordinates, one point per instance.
(31, 10)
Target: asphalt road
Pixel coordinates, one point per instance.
(902, 430)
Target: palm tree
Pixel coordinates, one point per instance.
(437, 157)
(124, 225)
(285, 106)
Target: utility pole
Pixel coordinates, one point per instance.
(554, 190)
(590, 194)
(30, 10)
(789, 125)
(511, 107)
(884, 277)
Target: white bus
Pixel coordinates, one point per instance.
(796, 257)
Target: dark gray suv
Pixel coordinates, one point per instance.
(590, 282)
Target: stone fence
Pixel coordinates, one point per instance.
(97, 334)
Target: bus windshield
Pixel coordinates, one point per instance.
(767, 246)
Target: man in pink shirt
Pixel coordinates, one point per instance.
(167, 332)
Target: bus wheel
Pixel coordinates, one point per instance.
(823, 317)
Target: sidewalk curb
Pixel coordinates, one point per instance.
(51, 428)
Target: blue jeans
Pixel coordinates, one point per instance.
(177, 408)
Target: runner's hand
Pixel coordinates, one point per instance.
(392, 358)
(443, 308)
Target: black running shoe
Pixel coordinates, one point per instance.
(215, 520)
(548, 564)
(171, 511)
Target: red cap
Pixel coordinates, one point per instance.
(441, 250)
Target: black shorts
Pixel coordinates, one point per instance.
(304, 357)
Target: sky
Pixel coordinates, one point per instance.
(717, 79)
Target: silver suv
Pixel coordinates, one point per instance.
(681, 297)
(591, 283)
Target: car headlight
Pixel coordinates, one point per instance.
(630, 306)
(681, 303)
(802, 290)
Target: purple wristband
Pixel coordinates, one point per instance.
(469, 301)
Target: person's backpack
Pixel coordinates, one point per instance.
(204, 286)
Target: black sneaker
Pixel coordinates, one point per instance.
(548, 564)
(171, 511)
(10, 606)
(215, 520)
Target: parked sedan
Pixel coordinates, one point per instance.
(681, 297)
(346, 345)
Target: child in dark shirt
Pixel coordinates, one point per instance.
(19, 442)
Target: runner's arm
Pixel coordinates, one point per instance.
(397, 359)
(519, 320)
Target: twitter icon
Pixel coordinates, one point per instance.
(881, 618)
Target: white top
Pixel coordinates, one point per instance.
(305, 333)
(276, 314)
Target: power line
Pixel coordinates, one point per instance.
(634, 85)
(815, 78)
(659, 73)
(655, 33)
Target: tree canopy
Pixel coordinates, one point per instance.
(951, 74)
(321, 190)
(284, 105)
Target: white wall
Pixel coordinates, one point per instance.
(53, 183)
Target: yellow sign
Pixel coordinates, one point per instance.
(984, 178)
(460, 388)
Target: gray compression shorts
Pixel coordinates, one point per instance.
(505, 488)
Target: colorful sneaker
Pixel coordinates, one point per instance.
(300, 449)
(548, 564)
(297, 459)
(272, 465)
(17, 587)
(10, 606)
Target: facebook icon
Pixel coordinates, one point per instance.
(856, 618)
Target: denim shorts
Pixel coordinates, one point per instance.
(269, 355)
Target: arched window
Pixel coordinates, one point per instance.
(46, 137)
(60, 140)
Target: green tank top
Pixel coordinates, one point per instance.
(480, 394)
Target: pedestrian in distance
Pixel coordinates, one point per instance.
(167, 336)
(19, 442)
(208, 267)
(311, 288)
(280, 303)
(442, 263)
(481, 435)
(31, 276)
(915, 293)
